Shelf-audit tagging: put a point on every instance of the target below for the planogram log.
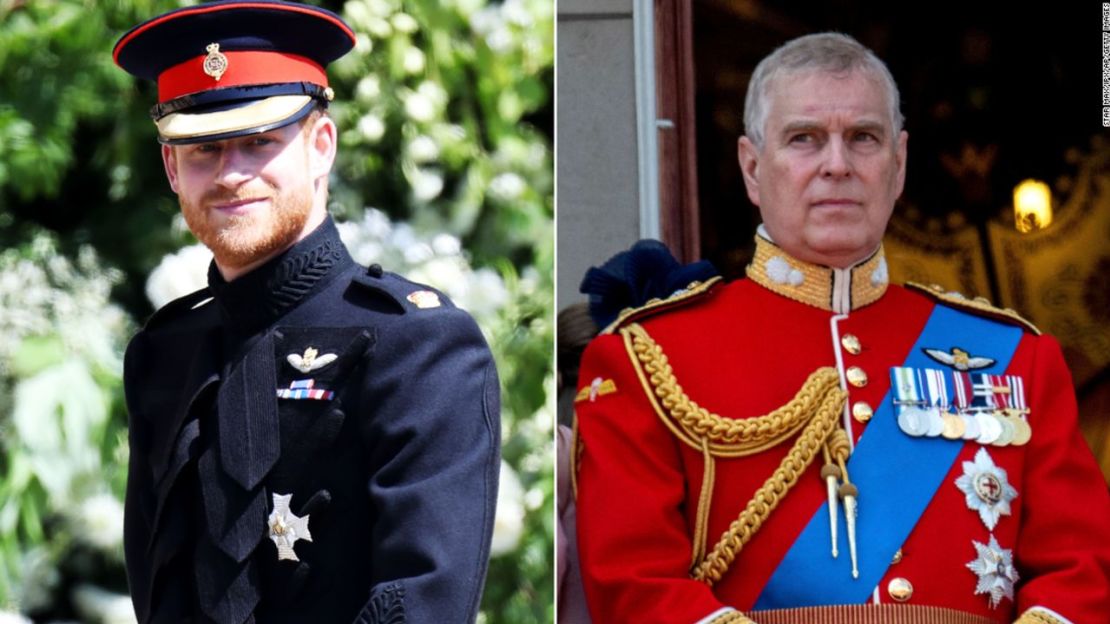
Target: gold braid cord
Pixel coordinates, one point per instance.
(814, 410)
(1038, 615)
(728, 437)
(732, 617)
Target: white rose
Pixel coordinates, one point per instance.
(423, 149)
(100, 521)
(413, 60)
(7, 617)
(369, 88)
(508, 522)
(178, 274)
(99, 605)
(427, 184)
(507, 186)
(371, 127)
(419, 107)
(403, 22)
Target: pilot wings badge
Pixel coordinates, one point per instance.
(959, 359)
(311, 360)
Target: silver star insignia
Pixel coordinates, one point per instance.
(986, 488)
(959, 359)
(286, 528)
(995, 568)
(311, 360)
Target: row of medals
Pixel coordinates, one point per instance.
(998, 428)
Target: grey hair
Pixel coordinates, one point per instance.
(828, 52)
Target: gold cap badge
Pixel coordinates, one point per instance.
(215, 64)
(424, 299)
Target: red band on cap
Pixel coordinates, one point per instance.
(244, 68)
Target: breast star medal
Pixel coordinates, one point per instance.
(986, 489)
(286, 528)
(215, 64)
(995, 568)
(310, 361)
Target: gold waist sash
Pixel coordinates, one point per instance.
(868, 614)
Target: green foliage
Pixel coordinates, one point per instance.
(60, 383)
(433, 105)
(445, 115)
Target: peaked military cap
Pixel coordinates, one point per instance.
(234, 67)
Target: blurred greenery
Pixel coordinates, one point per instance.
(445, 114)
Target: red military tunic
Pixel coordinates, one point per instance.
(744, 349)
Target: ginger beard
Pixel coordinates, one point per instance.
(239, 240)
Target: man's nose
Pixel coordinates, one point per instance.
(235, 168)
(837, 162)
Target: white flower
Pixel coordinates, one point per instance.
(533, 499)
(446, 245)
(486, 294)
(507, 186)
(178, 274)
(434, 92)
(508, 522)
(99, 521)
(413, 60)
(427, 184)
(420, 252)
(500, 40)
(423, 149)
(516, 13)
(40, 577)
(363, 44)
(405, 23)
(104, 607)
(56, 427)
(419, 107)
(486, 20)
(446, 274)
(380, 8)
(369, 88)
(380, 28)
(7, 617)
(371, 127)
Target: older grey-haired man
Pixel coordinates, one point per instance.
(814, 444)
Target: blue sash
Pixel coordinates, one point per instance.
(897, 476)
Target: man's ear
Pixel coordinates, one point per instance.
(169, 161)
(321, 147)
(748, 155)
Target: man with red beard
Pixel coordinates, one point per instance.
(311, 440)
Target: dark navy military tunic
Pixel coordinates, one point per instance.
(396, 468)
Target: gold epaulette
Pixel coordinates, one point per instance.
(978, 305)
(654, 306)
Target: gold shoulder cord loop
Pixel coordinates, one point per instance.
(701, 527)
(814, 411)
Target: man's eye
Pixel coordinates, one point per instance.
(261, 141)
(803, 137)
(865, 137)
(208, 148)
